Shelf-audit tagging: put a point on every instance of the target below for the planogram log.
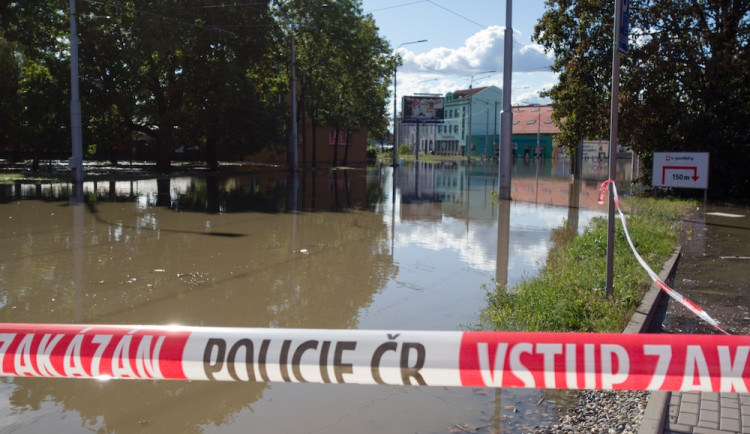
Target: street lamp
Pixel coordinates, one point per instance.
(76, 128)
(395, 120)
(471, 83)
(506, 117)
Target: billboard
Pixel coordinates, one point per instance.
(423, 109)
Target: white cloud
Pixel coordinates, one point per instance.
(483, 51)
(445, 69)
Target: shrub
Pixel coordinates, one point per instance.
(568, 294)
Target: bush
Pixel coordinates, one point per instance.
(569, 292)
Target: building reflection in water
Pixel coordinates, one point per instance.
(385, 248)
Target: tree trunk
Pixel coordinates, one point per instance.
(314, 142)
(335, 148)
(346, 147)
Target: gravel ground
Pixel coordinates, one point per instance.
(602, 412)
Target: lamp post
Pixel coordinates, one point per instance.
(76, 161)
(294, 140)
(395, 114)
(471, 83)
(506, 119)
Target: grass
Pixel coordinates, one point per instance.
(569, 292)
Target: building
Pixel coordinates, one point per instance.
(533, 128)
(534, 132)
(421, 136)
(481, 105)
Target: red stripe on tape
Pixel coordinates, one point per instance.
(472, 359)
(666, 288)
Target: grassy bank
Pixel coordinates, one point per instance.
(568, 294)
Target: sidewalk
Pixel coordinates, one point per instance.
(701, 412)
(713, 272)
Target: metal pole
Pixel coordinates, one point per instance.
(487, 132)
(613, 148)
(506, 116)
(395, 117)
(539, 133)
(416, 145)
(295, 132)
(394, 150)
(494, 133)
(471, 103)
(76, 161)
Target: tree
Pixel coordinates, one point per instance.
(684, 83)
(343, 65)
(34, 38)
(183, 74)
(9, 103)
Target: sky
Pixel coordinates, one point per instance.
(464, 39)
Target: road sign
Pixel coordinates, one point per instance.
(680, 169)
(622, 44)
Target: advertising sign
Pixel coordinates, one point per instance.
(423, 109)
(680, 170)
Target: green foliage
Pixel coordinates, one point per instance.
(188, 74)
(343, 65)
(684, 85)
(372, 153)
(9, 103)
(405, 150)
(569, 292)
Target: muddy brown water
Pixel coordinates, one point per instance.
(345, 250)
(714, 271)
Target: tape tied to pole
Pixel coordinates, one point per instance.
(692, 307)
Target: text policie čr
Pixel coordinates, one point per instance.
(317, 361)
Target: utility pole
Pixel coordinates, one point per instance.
(506, 117)
(471, 104)
(617, 47)
(395, 114)
(76, 128)
(294, 140)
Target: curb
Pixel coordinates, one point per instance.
(653, 306)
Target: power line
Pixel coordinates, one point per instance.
(399, 5)
(482, 26)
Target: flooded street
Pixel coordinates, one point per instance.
(417, 249)
(714, 271)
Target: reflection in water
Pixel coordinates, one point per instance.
(414, 248)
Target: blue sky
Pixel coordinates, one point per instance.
(464, 38)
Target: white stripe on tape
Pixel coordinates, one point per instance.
(666, 288)
(472, 359)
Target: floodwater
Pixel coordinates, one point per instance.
(350, 249)
(714, 271)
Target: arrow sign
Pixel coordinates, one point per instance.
(686, 169)
(665, 168)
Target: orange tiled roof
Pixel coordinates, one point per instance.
(464, 93)
(530, 119)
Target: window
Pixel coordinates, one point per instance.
(531, 122)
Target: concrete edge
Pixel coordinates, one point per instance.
(654, 299)
(642, 321)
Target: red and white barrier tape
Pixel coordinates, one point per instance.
(471, 359)
(702, 314)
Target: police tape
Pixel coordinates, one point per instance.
(692, 307)
(711, 363)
